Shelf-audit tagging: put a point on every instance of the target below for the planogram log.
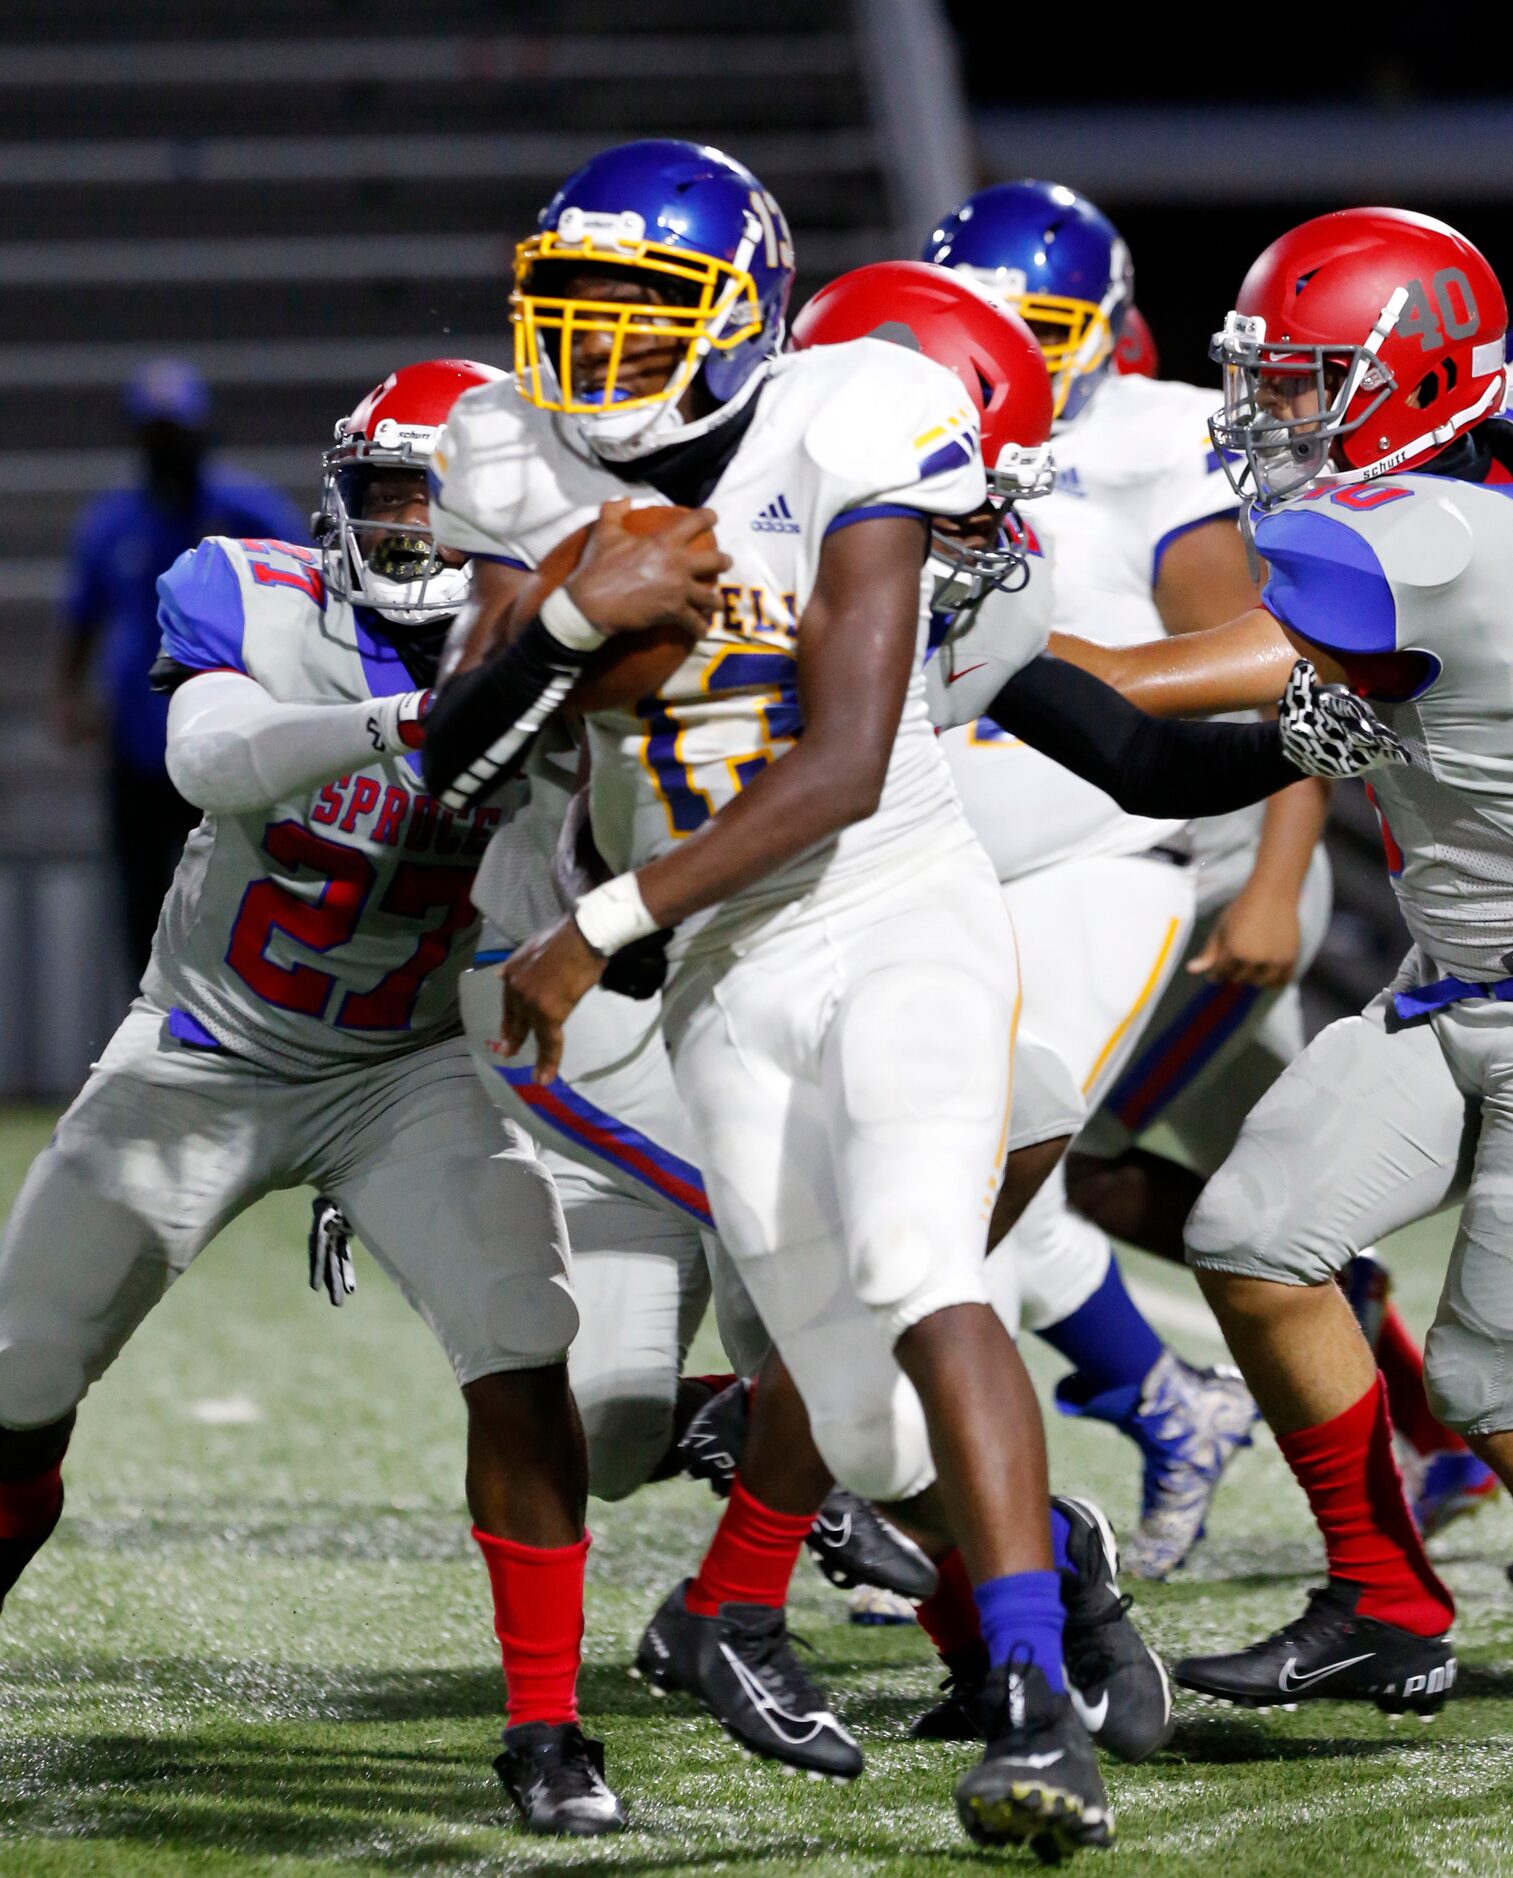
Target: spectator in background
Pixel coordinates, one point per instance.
(122, 542)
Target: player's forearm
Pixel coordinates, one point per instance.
(1238, 666)
(1148, 765)
(486, 719)
(233, 748)
(1294, 821)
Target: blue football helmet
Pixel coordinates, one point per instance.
(686, 222)
(1059, 263)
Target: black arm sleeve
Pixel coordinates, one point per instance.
(483, 723)
(1167, 768)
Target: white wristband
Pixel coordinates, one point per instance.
(568, 624)
(613, 916)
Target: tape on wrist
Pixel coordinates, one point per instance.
(613, 916)
(568, 624)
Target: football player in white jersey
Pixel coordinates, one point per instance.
(838, 1014)
(841, 1002)
(612, 1133)
(1142, 520)
(1364, 369)
(298, 1025)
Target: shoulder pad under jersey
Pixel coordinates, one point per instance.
(480, 470)
(212, 593)
(888, 426)
(201, 613)
(1347, 563)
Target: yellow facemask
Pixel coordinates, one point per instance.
(725, 311)
(1088, 342)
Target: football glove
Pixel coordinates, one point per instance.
(397, 725)
(638, 970)
(331, 1251)
(1328, 731)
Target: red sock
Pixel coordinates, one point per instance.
(29, 1508)
(538, 1619)
(751, 1557)
(949, 1616)
(1347, 1469)
(1401, 1361)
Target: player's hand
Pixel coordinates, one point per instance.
(331, 1251)
(1328, 731)
(625, 581)
(543, 981)
(397, 724)
(1255, 940)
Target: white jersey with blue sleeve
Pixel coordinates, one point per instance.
(840, 434)
(1420, 569)
(330, 926)
(1134, 473)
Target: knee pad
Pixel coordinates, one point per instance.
(1468, 1354)
(40, 1380)
(879, 1456)
(627, 1434)
(523, 1321)
(1245, 1223)
(1060, 1258)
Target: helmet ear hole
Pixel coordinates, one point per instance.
(1426, 391)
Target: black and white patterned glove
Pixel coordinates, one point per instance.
(331, 1251)
(1328, 731)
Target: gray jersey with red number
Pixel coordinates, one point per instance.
(1420, 568)
(329, 927)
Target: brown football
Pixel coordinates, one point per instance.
(630, 666)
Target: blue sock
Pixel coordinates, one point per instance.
(1023, 1612)
(1107, 1340)
(1061, 1528)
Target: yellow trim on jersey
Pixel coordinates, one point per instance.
(1146, 991)
(995, 1178)
(962, 418)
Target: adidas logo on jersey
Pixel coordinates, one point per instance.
(776, 519)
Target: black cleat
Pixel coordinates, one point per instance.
(555, 1776)
(852, 1543)
(957, 1716)
(1117, 1682)
(1037, 1783)
(740, 1664)
(1331, 1655)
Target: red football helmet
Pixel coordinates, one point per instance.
(952, 320)
(1362, 342)
(399, 574)
(1135, 356)
(949, 318)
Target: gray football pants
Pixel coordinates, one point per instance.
(1376, 1125)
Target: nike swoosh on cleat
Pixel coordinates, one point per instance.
(965, 672)
(1091, 1715)
(837, 1535)
(1290, 1679)
(1037, 1761)
(774, 1715)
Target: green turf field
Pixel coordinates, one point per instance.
(260, 1642)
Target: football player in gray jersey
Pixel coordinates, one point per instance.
(1364, 381)
(298, 1025)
